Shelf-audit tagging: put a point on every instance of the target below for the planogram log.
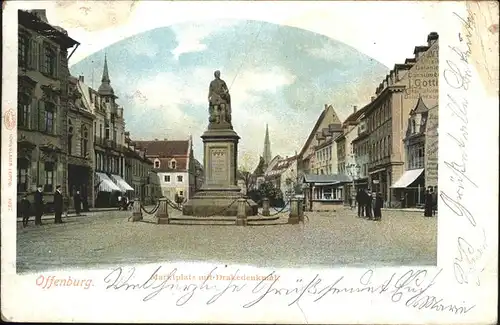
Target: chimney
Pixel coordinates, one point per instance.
(40, 13)
(81, 78)
(355, 108)
(432, 38)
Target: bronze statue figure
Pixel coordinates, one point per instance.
(219, 101)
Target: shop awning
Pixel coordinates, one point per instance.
(407, 178)
(106, 184)
(326, 184)
(121, 183)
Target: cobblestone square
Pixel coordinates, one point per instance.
(102, 239)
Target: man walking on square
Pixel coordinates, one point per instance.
(25, 210)
(58, 205)
(368, 205)
(359, 200)
(39, 205)
(77, 202)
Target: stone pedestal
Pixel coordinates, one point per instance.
(219, 193)
(293, 217)
(265, 207)
(241, 217)
(300, 208)
(136, 211)
(162, 214)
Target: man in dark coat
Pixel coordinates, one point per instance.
(377, 210)
(58, 205)
(25, 210)
(360, 201)
(39, 205)
(434, 201)
(368, 205)
(77, 202)
(428, 203)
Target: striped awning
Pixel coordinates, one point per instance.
(121, 183)
(106, 184)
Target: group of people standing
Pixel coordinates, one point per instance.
(430, 203)
(39, 206)
(370, 204)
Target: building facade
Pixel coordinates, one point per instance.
(360, 148)
(174, 166)
(283, 175)
(79, 144)
(386, 115)
(42, 105)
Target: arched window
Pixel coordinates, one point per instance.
(173, 164)
(70, 137)
(157, 163)
(84, 141)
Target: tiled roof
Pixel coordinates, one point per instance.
(165, 148)
(354, 116)
(283, 164)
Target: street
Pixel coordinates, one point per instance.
(102, 239)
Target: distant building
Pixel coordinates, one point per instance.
(174, 164)
(42, 105)
(283, 175)
(266, 155)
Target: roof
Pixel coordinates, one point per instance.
(420, 107)
(335, 178)
(281, 166)
(165, 164)
(57, 34)
(165, 148)
(316, 126)
(105, 88)
(355, 115)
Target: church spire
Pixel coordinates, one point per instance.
(105, 88)
(267, 148)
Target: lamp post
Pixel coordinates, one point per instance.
(353, 170)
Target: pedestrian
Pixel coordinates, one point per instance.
(25, 210)
(350, 202)
(39, 205)
(58, 205)
(125, 202)
(368, 205)
(379, 204)
(120, 203)
(434, 201)
(360, 201)
(428, 203)
(77, 202)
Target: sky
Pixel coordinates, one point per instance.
(277, 75)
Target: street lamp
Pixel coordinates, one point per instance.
(353, 170)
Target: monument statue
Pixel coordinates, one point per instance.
(219, 101)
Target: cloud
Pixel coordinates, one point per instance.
(190, 37)
(332, 52)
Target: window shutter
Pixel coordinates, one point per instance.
(34, 114)
(41, 57)
(41, 115)
(30, 55)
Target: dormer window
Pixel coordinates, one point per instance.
(173, 164)
(413, 126)
(157, 163)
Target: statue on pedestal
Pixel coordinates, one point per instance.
(219, 101)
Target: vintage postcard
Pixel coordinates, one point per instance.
(250, 162)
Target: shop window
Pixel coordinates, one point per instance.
(49, 177)
(22, 174)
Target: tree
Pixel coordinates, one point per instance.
(247, 178)
(268, 190)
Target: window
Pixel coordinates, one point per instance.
(173, 164)
(22, 174)
(413, 126)
(166, 178)
(70, 137)
(95, 131)
(107, 99)
(49, 61)
(327, 193)
(180, 178)
(84, 141)
(49, 117)
(107, 133)
(49, 177)
(23, 111)
(157, 164)
(100, 131)
(22, 54)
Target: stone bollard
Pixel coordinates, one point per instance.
(136, 211)
(241, 217)
(300, 205)
(162, 213)
(293, 217)
(265, 207)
